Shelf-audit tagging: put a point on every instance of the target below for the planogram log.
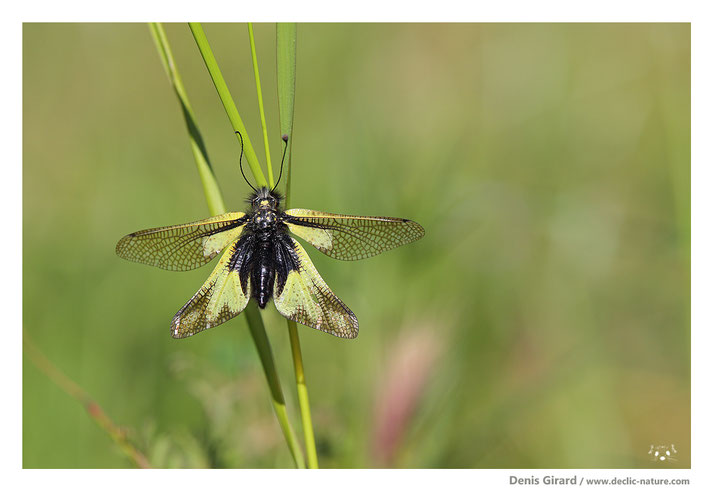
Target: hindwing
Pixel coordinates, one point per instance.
(220, 298)
(300, 294)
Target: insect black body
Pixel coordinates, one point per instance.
(265, 249)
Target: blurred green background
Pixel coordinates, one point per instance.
(543, 321)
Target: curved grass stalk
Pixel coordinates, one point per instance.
(198, 147)
(216, 207)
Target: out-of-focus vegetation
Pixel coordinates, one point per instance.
(543, 321)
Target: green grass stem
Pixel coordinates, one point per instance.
(303, 399)
(271, 178)
(227, 100)
(198, 147)
(257, 329)
(286, 44)
(216, 207)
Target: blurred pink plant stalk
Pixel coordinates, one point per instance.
(398, 396)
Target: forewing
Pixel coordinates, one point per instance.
(306, 298)
(219, 299)
(184, 246)
(351, 237)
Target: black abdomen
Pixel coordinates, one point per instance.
(266, 259)
(263, 272)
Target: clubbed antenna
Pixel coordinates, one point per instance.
(285, 149)
(240, 160)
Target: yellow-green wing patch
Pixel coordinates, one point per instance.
(219, 299)
(184, 246)
(351, 237)
(306, 299)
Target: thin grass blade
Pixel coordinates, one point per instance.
(286, 43)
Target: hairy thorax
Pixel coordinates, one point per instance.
(264, 222)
